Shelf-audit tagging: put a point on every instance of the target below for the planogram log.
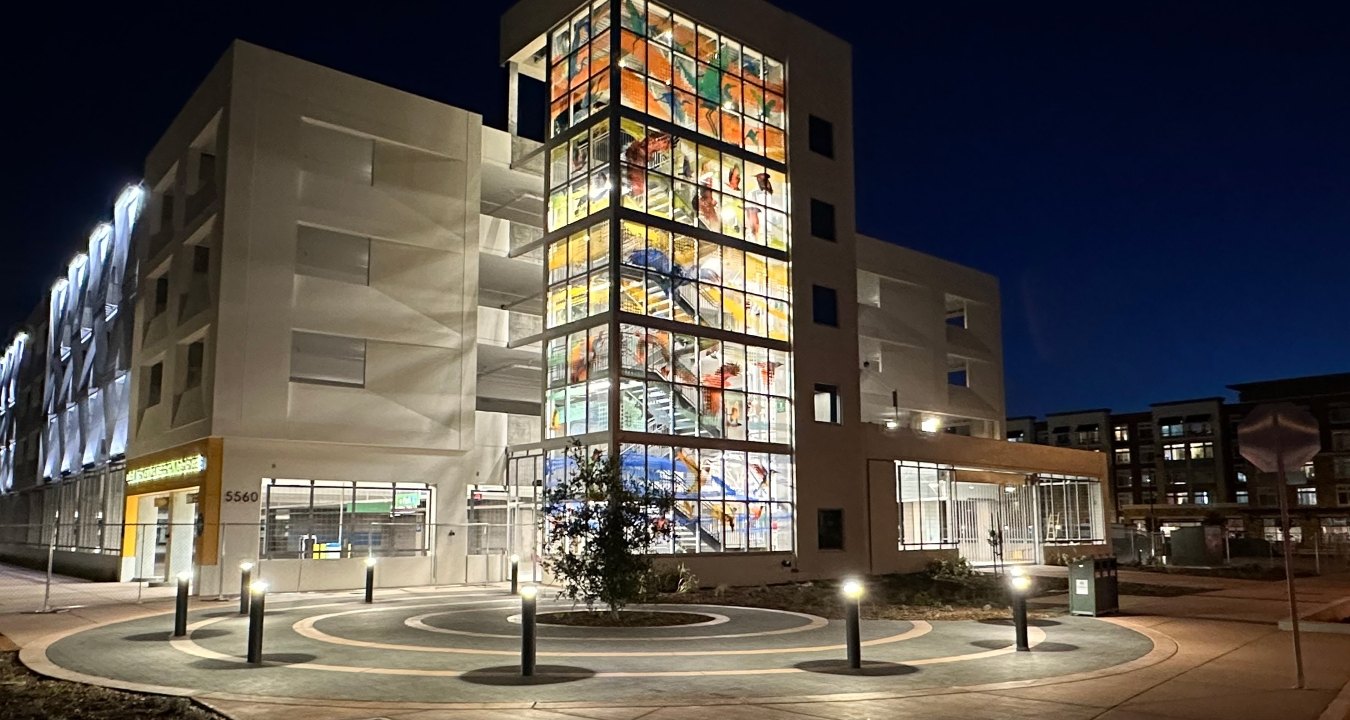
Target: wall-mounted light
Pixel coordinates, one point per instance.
(931, 424)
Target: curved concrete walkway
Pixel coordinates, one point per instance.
(460, 649)
(1213, 655)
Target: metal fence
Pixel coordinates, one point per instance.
(294, 557)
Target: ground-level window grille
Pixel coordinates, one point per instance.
(325, 519)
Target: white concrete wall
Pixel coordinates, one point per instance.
(905, 342)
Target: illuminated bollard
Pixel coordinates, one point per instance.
(258, 591)
(853, 592)
(1019, 584)
(528, 596)
(515, 574)
(180, 607)
(245, 579)
(370, 579)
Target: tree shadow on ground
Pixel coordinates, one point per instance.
(204, 634)
(1039, 647)
(1007, 622)
(509, 675)
(268, 659)
(869, 668)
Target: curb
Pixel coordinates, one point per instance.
(1339, 709)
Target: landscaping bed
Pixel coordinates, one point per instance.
(25, 695)
(946, 591)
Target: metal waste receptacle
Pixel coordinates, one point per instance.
(1093, 586)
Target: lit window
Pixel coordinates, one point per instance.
(1170, 427)
(827, 404)
(1309, 470)
(1242, 477)
(1176, 498)
(1173, 453)
(1017, 436)
(1147, 475)
(1202, 451)
(1123, 457)
(1122, 433)
(1307, 496)
(1201, 498)
(1240, 497)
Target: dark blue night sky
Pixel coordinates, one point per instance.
(1163, 188)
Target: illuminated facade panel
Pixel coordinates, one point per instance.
(668, 278)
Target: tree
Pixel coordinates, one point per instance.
(599, 528)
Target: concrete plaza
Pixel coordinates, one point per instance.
(451, 653)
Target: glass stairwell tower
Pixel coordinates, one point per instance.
(669, 305)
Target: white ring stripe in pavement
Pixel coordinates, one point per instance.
(812, 622)
(190, 647)
(305, 628)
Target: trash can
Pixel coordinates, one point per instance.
(1093, 586)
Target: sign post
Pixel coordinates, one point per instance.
(1272, 438)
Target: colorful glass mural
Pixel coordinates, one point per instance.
(668, 307)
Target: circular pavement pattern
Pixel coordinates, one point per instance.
(463, 646)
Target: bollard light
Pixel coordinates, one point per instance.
(245, 579)
(180, 606)
(1019, 583)
(528, 597)
(258, 591)
(515, 574)
(370, 579)
(853, 592)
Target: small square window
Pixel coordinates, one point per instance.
(827, 404)
(820, 136)
(825, 305)
(822, 220)
(201, 259)
(958, 372)
(161, 296)
(829, 529)
(154, 385)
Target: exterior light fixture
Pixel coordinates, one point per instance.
(255, 621)
(528, 603)
(892, 423)
(931, 424)
(853, 592)
(180, 604)
(1019, 583)
(370, 579)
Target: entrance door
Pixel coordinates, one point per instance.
(166, 531)
(994, 518)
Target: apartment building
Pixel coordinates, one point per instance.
(368, 325)
(1180, 462)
